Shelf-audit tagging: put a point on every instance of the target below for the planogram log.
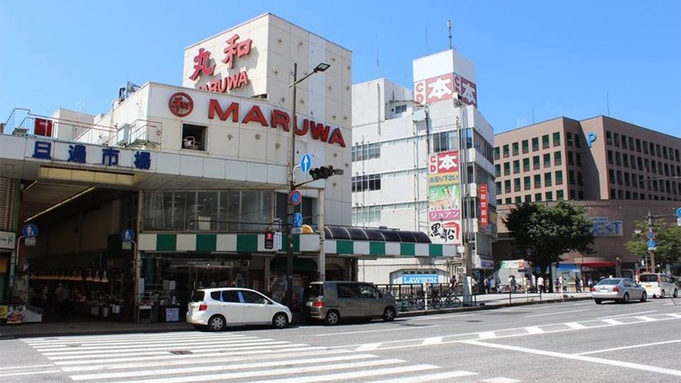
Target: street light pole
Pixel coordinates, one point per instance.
(290, 209)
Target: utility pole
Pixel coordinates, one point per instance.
(651, 250)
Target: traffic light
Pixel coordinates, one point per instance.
(269, 240)
(323, 172)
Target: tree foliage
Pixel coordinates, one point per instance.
(547, 232)
(667, 242)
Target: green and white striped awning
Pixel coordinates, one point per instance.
(302, 243)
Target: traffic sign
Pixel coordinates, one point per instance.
(29, 241)
(127, 235)
(650, 235)
(678, 222)
(678, 212)
(30, 230)
(651, 245)
(306, 163)
(295, 197)
(297, 220)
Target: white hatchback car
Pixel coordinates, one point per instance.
(217, 308)
(659, 285)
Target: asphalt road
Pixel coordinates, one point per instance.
(560, 342)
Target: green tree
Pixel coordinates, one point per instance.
(667, 242)
(547, 232)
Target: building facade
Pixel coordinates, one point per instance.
(618, 171)
(422, 161)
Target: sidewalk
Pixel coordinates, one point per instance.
(100, 327)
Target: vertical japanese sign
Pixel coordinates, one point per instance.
(444, 197)
(484, 207)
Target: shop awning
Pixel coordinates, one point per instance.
(599, 264)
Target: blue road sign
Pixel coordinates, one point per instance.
(306, 163)
(127, 235)
(295, 197)
(650, 235)
(651, 243)
(30, 230)
(678, 212)
(297, 220)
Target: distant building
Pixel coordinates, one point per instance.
(617, 170)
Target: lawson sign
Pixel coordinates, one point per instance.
(419, 278)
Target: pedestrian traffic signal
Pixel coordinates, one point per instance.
(269, 240)
(322, 173)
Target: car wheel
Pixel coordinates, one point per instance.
(332, 318)
(216, 323)
(598, 301)
(644, 297)
(662, 294)
(625, 299)
(676, 293)
(280, 320)
(389, 314)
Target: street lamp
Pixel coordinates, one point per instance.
(321, 67)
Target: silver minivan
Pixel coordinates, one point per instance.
(336, 300)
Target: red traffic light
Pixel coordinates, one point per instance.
(269, 239)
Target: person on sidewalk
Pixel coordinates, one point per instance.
(577, 284)
(492, 285)
(486, 284)
(540, 284)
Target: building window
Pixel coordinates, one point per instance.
(580, 195)
(526, 146)
(497, 170)
(639, 163)
(560, 195)
(580, 181)
(620, 179)
(638, 145)
(516, 185)
(194, 137)
(578, 141)
(526, 164)
(625, 160)
(507, 186)
(537, 197)
(568, 138)
(498, 187)
(572, 195)
(627, 194)
(611, 176)
(547, 179)
(631, 143)
(499, 202)
(556, 138)
(616, 140)
(610, 157)
(571, 177)
(535, 144)
(506, 151)
(366, 183)
(507, 168)
(559, 177)
(571, 159)
(516, 166)
(578, 158)
(608, 137)
(549, 196)
(496, 153)
(645, 147)
(515, 149)
(557, 158)
(366, 151)
(508, 200)
(518, 199)
(536, 165)
(444, 141)
(618, 158)
(528, 182)
(620, 194)
(537, 181)
(624, 142)
(545, 141)
(627, 179)
(400, 108)
(547, 160)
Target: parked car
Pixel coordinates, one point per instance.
(217, 308)
(618, 290)
(659, 285)
(336, 300)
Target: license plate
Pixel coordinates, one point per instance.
(604, 290)
(648, 286)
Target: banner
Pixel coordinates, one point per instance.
(444, 197)
(484, 207)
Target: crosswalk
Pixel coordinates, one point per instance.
(204, 357)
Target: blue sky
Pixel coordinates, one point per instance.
(535, 60)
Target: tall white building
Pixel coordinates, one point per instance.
(406, 151)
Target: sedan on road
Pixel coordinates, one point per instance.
(618, 290)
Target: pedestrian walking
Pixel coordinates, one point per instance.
(540, 284)
(492, 284)
(513, 284)
(486, 285)
(577, 282)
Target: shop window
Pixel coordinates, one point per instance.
(194, 137)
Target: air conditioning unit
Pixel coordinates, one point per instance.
(146, 135)
(123, 135)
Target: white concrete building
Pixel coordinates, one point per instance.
(402, 141)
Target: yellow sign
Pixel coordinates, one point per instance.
(3, 312)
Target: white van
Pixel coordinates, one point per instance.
(658, 285)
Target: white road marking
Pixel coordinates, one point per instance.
(368, 347)
(29, 373)
(500, 380)
(438, 317)
(626, 315)
(556, 313)
(372, 331)
(612, 322)
(628, 347)
(534, 330)
(646, 319)
(24, 367)
(675, 315)
(348, 375)
(616, 363)
(431, 341)
(431, 377)
(487, 335)
(575, 325)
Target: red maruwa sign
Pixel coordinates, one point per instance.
(181, 104)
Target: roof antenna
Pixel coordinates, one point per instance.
(607, 102)
(449, 26)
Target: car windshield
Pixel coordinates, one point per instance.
(648, 278)
(609, 282)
